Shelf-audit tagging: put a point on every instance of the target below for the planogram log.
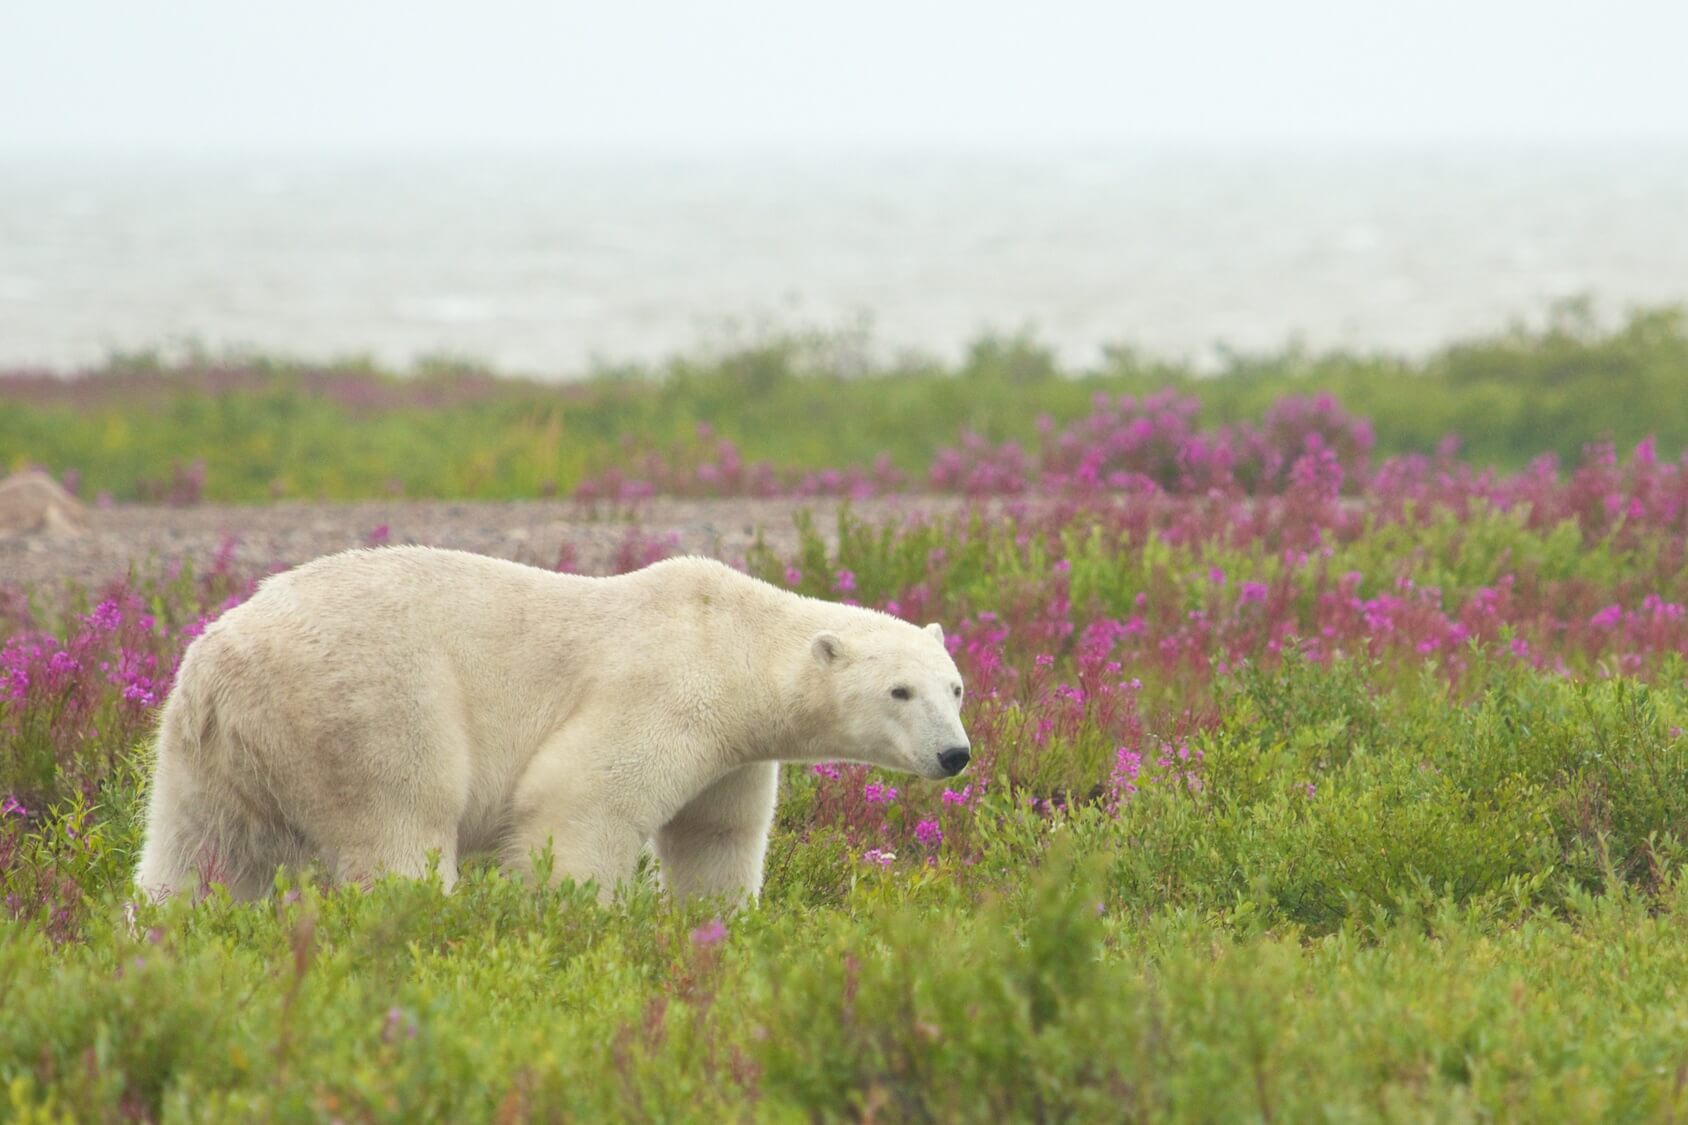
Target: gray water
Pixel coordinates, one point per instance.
(546, 266)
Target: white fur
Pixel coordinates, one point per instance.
(372, 707)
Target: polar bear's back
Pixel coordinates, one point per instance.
(435, 589)
(399, 588)
(418, 626)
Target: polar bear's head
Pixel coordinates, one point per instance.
(897, 698)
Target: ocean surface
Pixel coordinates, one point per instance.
(548, 266)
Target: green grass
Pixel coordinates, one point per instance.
(912, 1003)
(1480, 912)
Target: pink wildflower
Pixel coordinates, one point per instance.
(710, 933)
(1318, 472)
(1128, 764)
(1608, 618)
(396, 1023)
(106, 616)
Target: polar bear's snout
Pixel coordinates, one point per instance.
(955, 759)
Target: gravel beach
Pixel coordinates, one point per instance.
(532, 531)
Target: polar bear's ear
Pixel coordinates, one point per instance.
(937, 632)
(828, 648)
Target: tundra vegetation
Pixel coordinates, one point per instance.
(1326, 766)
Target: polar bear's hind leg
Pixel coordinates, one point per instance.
(197, 838)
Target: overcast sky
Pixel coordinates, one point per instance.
(217, 75)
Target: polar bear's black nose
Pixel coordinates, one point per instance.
(954, 760)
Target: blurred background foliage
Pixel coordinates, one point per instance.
(256, 428)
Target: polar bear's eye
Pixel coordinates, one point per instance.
(901, 693)
(958, 691)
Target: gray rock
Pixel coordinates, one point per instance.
(33, 502)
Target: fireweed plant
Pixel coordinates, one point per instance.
(1307, 784)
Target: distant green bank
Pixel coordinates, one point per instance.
(255, 429)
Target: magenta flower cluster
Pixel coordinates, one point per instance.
(96, 679)
(1124, 444)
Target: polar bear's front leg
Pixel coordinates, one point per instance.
(584, 847)
(573, 811)
(715, 845)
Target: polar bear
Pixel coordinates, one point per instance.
(372, 707)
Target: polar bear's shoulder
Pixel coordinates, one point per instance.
(697, 570)
(692, 579)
